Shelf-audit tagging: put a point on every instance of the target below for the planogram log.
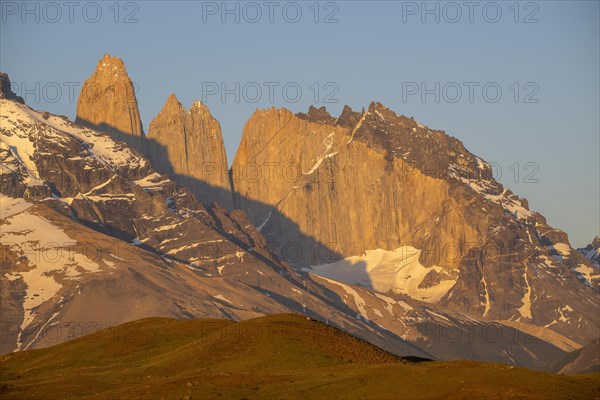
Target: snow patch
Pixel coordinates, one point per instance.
(265, 221)
(10, 206)
(100, 145)
(397, 270)
(588, 274)
(222, 298)
(525, 309)
(488, 304)
(562, 248)
(25, 230)
(358, 300)
(153, 180)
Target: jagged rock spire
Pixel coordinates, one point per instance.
(188, 146)
(108, 102)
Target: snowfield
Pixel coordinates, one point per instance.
(49, 254)
(397, 271)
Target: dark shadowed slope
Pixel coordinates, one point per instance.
(283, 355)
(583, 360)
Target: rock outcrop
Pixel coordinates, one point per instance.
(6, 91)
(187, 145)
(592, 251)
(374, 197)
(108, 103)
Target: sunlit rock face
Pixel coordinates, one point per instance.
(352, 193)
(92, 236)
(188, 146)
(108, 102)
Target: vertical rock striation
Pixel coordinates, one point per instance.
(185, 144)
(188, 146)
(108, 103)
(374, 188)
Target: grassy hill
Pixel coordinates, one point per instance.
(280, 356)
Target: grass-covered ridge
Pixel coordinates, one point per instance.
(279, 356)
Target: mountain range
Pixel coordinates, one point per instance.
(369, 221)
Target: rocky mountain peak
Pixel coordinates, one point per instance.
(272, 112)
(398, 186)
(592, 251)
(6, 89)
(173, 99)
(171, 106)
(188, 146)
(111, 66)
(349, 118)
(200, 108)
(377, 106)
(317, 115)
(108, 102)
(184, 143)
(273, 118)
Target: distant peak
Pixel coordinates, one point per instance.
(348, 118)
(377, 106)
(271, 111)
(108, 58)
(315, 114)
(172, 105)
(6, 89)
(346, 109)
(109, 64)
(173, 99)
(197, 104)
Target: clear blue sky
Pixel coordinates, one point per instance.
(375, 51)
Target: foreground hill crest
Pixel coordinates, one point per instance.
(278, 355)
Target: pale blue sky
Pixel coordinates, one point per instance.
(374, 51)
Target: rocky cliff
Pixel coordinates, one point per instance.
(108, 102)
(6, 91)
(592, 251)
(188, 146)
(378, 199)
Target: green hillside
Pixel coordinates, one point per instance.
(281, 356)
